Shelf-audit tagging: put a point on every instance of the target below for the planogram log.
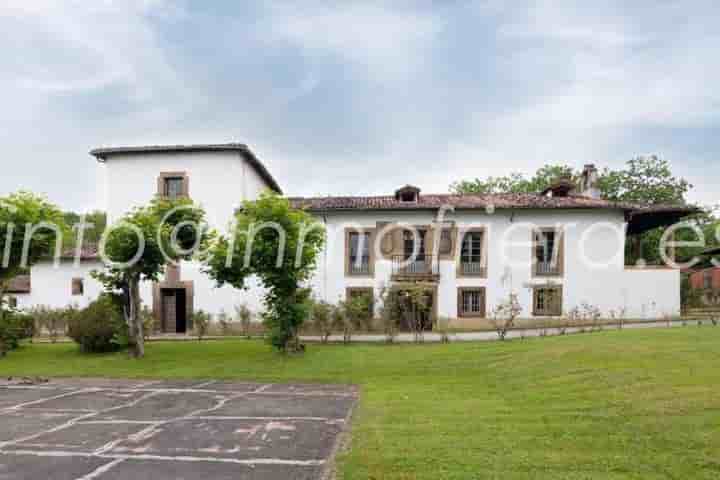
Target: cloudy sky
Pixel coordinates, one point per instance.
(426, 92)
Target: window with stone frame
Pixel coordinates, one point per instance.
(472, 254)
(173, 187)
(358, 253)
(547, 301)
(471, 302)
(78, 286)
(547, 252)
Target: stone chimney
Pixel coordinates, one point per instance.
(589, 182)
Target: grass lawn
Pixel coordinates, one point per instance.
(641, 404)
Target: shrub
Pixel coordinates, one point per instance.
(505, 314)
(201, 322)
(53, 320)
(322, 319)
(14, 326)
(99, 327)
(245, 316)
(389, 314)
(148, 322)
(339, 322)
(225, 323)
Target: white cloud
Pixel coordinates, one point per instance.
(387, 42)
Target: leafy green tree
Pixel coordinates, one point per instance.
(644, 180)
(279, 245)
(516, 182)
(95, 223)
(30, 226)
(140, 246)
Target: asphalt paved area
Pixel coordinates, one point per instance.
(79, 429)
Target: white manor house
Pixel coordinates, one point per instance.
(555, 249)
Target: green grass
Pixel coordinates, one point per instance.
(641, 404)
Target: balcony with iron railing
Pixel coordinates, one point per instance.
(472, 269)
(547, 268)
(359, 266)
(420, 267)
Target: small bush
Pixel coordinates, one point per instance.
(53, 320)
(225, 322)
(14, 326)
(245, 316)
(322, 319)
(201, 322)
(99, 327)
(148, 321)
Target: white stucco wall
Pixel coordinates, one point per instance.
(595, 235)
(52, 286)
(218, 181)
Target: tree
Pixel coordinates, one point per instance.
(643, 180)
(140, 246)
(279, 245)
(516, 182)
(30, 226)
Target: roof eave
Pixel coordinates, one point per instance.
(102, 154)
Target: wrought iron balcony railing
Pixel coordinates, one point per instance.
(420, 266)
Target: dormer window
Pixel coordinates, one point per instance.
(407, 194)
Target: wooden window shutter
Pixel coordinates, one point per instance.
(397, 236)
(387, 240)
(448, 237)
(560, 251)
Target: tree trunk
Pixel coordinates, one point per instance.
(135, 326)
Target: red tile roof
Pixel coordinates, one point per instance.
(640, 217)
(471, 201)
(19, 284)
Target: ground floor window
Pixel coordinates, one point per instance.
(471, 302)
(547, 301)
(365, 293)
(78, 286)
(12, 302)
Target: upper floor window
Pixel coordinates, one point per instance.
(471, 253)
(547, 251)
(358, 257)
(410, 240)
(78, 286)
(408, 193)
(173, 185)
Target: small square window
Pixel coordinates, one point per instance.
(78, 286)
(173, 187)
(12, 302)
(471, 302)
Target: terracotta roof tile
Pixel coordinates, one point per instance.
(472, 201)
